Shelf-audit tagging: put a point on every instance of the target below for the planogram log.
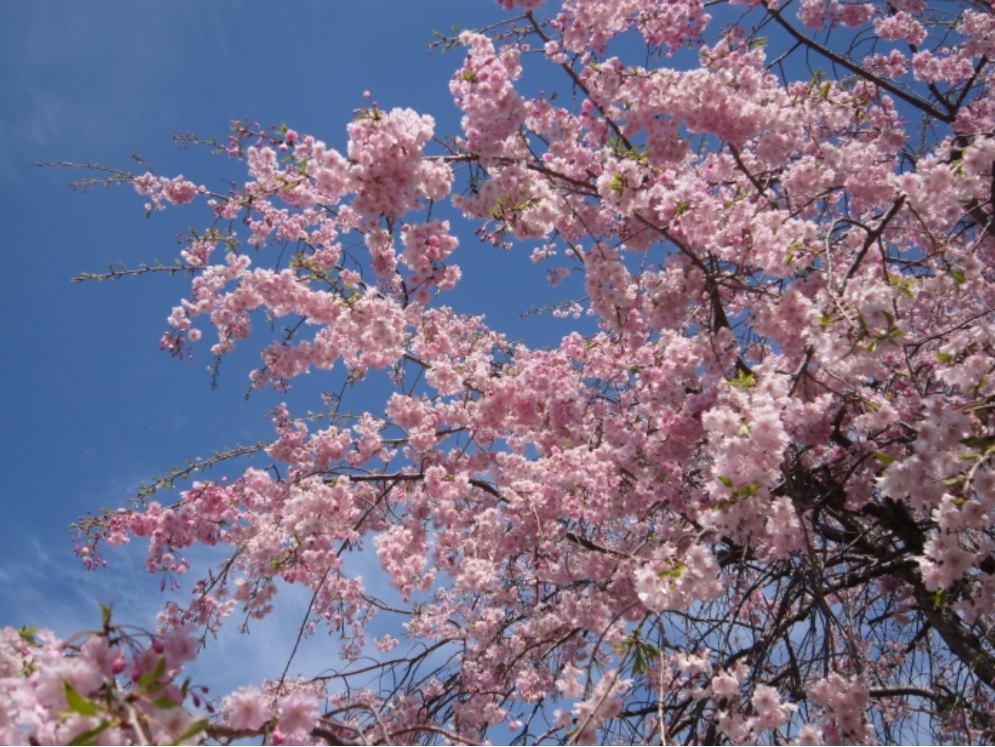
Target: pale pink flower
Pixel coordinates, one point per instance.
(298, 713)
(772, 712)
(724, 684)
(247, 708)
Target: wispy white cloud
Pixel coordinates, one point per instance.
(79, 79)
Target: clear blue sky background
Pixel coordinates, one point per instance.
(90, 406)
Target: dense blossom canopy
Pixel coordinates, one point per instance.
(750, 499)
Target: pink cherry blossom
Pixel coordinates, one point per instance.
(298, 714)
(745, 494)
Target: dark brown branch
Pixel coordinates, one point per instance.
(918, 103)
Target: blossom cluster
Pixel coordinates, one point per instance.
(749, 501)
(119, 686)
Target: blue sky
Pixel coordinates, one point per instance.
(91, 407)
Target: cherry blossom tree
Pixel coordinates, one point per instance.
(749, 499)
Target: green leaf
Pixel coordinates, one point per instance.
(979, 442)
(638, 663)
(165, 703)
(617, 185)
(195, 728)
(90, 736)
(743, 379)
(105, 615)
(885, 459)
(903, 284)
(944, 358)
(672, 572)
(727, 481)
(149, 682)
(78, 703)
(939, 598)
